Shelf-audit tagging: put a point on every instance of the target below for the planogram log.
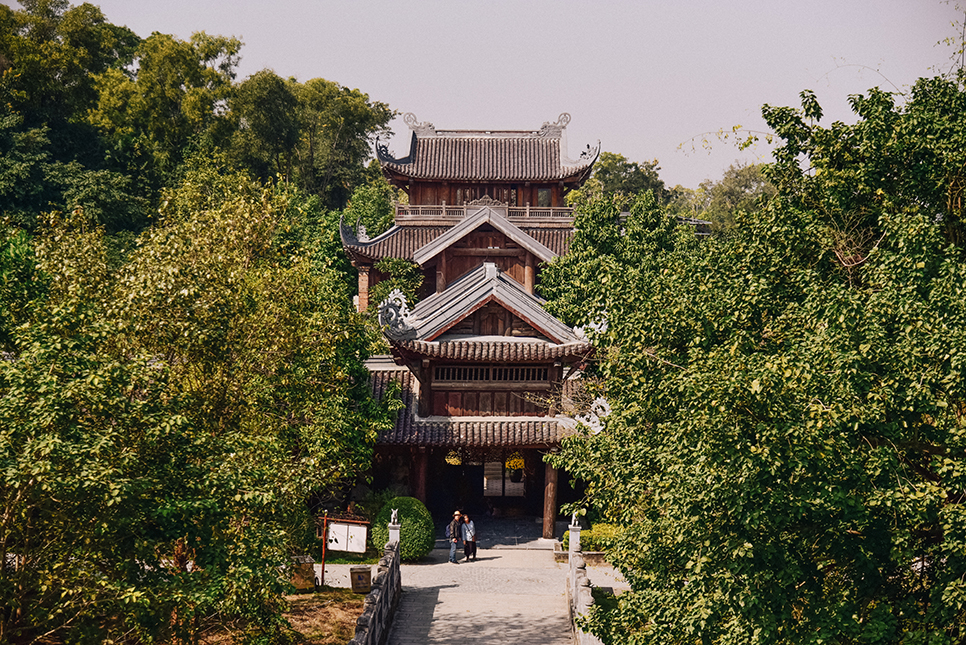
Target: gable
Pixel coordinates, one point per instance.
(440, 312)
(487, 215)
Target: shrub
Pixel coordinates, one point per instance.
(417, 535)
(599, 537)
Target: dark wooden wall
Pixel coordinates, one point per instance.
(485, 403)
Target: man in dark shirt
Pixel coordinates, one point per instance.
(454, 535)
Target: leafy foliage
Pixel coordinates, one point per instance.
(743, 187)
(786, 448)
(417, 535)
(151, 118)
(618, 175)
(181, 408)
(598, 537)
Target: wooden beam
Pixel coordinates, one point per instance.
(489, 252)
(549, 501)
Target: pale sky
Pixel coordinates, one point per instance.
(643, 77)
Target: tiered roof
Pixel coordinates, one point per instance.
(423, 329)
(468, 432)
(403, 241)
(489, 155)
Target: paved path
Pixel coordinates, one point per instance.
(514, 593)
(507, 596)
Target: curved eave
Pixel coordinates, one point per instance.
(569, 172)
(513, 351)
(581, 171)
(404, 173)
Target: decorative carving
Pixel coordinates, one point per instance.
(394, 517)
(393, 312)
(485, 200)
(553, 130)
(590, 153)
(424, 129)
(361, 232)
(383, 150)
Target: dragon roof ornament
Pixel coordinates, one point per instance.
(424, 129)
(393, 315)
(554, 130)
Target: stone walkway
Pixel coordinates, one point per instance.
(506, 596)
(514, 592)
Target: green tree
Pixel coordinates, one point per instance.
(337, 127)
(268, 126)
(50, 158)
(618, 175)
(152, 117)
(182, 409)
(742, 187)
(32, 181)
(786, 448)
(50, 53)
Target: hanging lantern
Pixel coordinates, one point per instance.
(515, 461)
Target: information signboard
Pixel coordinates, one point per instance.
(347, 537)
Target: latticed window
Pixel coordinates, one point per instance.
(507, 373)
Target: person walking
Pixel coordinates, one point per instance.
(453, 532)
(469, 538)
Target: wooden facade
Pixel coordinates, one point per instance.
(481, 363)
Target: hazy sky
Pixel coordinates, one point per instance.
(642, 77)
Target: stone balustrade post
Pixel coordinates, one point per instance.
(574, 537)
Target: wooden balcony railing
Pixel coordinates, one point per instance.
(445, 211)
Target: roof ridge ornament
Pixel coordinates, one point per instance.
(424, 129)
(393, 315)
(553, 130)
(485, 200)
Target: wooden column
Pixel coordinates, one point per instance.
(421, 468)
(363, 287)
(528, 278)
(549, 501)
(441, 273)
(425, 398)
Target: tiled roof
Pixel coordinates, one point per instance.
(439, 312)
(404, 241)
(488, 155)
(497, 350)
(410, 430)
(484, 160)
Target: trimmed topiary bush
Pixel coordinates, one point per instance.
(599, 537)
(417, 535)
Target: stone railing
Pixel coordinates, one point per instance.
(579, 589)
(372, 627)
(446, 211)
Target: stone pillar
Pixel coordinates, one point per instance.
(363, 287)
(394, 531)
(549, 501)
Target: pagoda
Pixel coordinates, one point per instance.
(482, 366)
